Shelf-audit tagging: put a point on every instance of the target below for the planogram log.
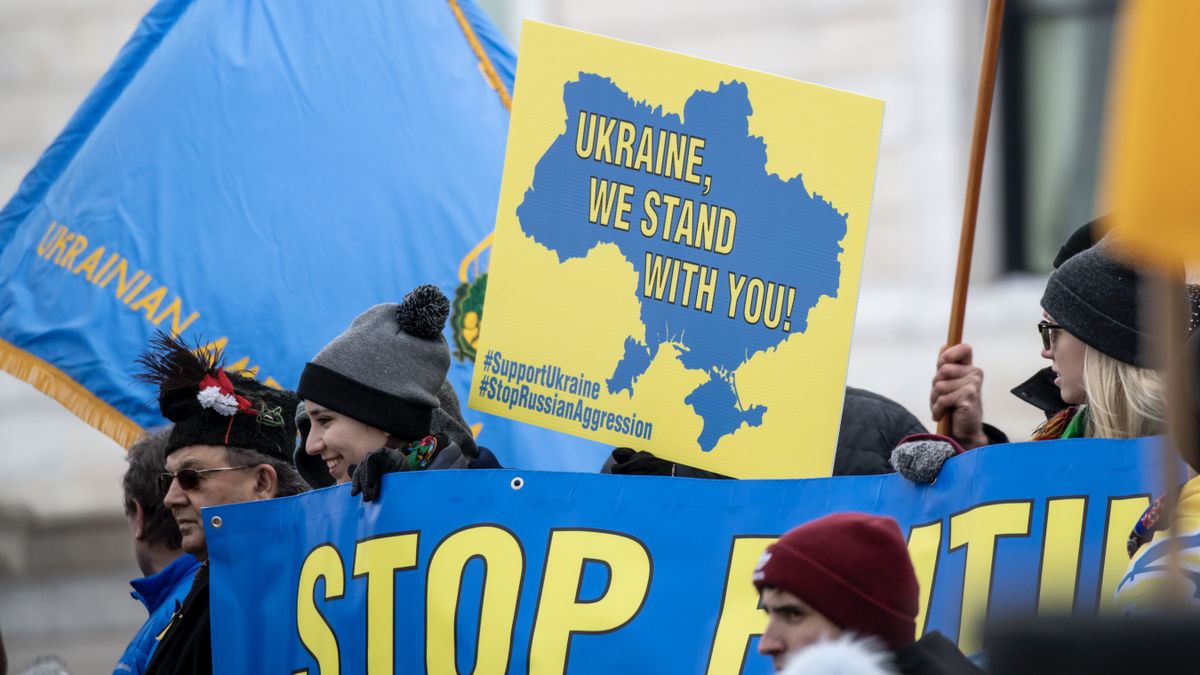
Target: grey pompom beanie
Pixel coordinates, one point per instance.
(386, 368)
(1096, 299)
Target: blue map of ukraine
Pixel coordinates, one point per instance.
(719, 300)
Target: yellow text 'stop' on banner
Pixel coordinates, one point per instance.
(677, 255)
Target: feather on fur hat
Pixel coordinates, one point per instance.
(210, 406)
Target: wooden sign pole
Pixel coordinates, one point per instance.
(983, 114)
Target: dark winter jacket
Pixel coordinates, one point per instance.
(933, 654)
(1041, 392)
(162, 594)
(871, 426)
(186, 646)
(1038, 391)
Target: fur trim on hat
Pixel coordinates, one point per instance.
(210, 406)
(847, 654)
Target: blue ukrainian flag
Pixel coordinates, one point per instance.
(255, 173)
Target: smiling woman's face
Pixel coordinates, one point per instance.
(340, 441)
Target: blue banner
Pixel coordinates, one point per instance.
(255, 173)
(508, 571)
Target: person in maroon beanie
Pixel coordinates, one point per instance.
(848, 573)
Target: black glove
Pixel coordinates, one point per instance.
(630, 462)
(367, 478)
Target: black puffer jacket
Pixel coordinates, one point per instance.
(933, 654)
(871, 426)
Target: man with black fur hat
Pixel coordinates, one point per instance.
(232, 442)
(372, 396)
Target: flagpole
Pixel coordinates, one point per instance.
(983, 114)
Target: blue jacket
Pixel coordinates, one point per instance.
(161, 593)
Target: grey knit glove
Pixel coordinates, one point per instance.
(919, 457)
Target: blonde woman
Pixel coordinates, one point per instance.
(1099, 378)
(1120, 400)
(1099, 356)
(1099, 351)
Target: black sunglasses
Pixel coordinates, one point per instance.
(189, 479)
(1047, 331)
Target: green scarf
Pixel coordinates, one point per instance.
(1077, 427)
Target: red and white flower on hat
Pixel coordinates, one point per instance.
(217, 394)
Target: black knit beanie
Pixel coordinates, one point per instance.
(1096, 299)
(1079, 241)
(210, 406)
(386, 368)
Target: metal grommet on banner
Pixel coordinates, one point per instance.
(517, 483)
(216, 521)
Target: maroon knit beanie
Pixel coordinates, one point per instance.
(851, 567)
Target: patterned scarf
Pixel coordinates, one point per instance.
(1070, 422)
(419, 454)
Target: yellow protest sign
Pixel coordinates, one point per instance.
(677, 255)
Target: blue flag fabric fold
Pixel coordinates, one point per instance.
(254, 174)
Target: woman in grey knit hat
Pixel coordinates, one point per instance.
(1100, 351)
(372, 396)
